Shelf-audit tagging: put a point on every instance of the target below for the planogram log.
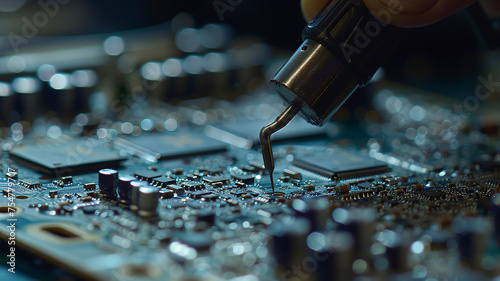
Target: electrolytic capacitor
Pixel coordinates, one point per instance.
(108, 182)
(148, 201)
(134, 194)
(397, 248)
(7, 102)
(333, 254)
(472, 238)
(360, 223)
(316, 211)
(289, 244)
(28, 97)
(124, 188)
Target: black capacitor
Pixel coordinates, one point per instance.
(472, 238)
(496, 217)
(289, 244)
(317, 211)
(333, 253)
(360, 222)
(397, 248)
(108, 182)
(124, 188)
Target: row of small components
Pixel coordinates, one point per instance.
(358, 243)
(141, 197)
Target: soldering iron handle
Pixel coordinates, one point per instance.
(363, 38)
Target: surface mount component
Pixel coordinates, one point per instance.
(65, 156)
(177, 144)
(340, 164)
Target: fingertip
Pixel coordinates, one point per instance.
(310, 8)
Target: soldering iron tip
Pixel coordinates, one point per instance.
(272, 181)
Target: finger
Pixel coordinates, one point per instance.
(415, 13)
(405, 13)
(310, 8)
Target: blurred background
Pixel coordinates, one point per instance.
(56, 55)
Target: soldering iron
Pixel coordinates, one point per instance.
(344, 45)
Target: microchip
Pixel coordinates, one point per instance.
(214, 180)
(248, 179)
(176, 189)
(171, 145)
(198, 194)
(192, 185)
(244, 133)
(165, 193)
(340, 164)
(147, 175)
(211, 171)
(163, 181)
(433, 195)
(30, 183)
(65, 156)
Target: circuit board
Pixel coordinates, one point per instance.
(141, 161)
(401, 205)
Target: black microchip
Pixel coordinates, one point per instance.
(248, 179)
(176, 189)
(177, 144)
(147, 175)
(162, 181)
(215, 180)
(198, 194)
(165, 193)
(65, 156)
(211, 171)
(191, 186)
(245, 133)
(340, 164)
(30, 183)
(433, 194)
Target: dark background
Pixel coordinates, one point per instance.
(434, 57)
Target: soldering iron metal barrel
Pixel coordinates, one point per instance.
(343, 47)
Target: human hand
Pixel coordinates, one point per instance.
(413, 13)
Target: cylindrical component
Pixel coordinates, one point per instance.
(124, 188)
(289, 244)
(148, 201)
(397, 249)
(360, 222)
(134, 194)
(343, 48)
(7, 103)
(496, 218)
(63, 96)
(28, 97)
(108, 182)
(316, 211)
(333, 252)
(472, 237)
